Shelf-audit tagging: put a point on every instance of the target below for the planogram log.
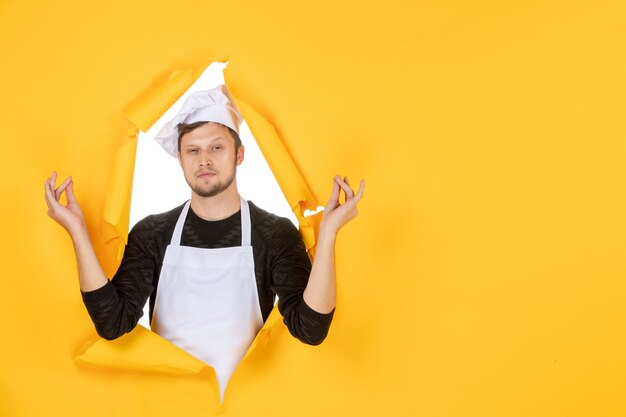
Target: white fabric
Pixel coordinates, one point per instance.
(207, 301)
(214, 105)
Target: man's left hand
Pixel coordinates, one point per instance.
(336, 215)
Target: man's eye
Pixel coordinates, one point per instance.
(192, 150)
(217, 148)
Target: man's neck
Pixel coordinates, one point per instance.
(218, 207)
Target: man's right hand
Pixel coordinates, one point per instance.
(69, 216)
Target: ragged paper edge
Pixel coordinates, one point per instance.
(142, 349)
(141, 114)
(296, 191)
(116, 210)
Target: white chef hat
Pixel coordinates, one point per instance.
(214, 105)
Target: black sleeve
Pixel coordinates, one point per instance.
(290, 269)
(116, 307)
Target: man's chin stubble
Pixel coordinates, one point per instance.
(214, 190)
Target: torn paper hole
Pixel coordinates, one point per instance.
(116, 354)
(159, 184)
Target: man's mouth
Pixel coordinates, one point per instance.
(206, 174)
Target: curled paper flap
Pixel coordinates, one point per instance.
(147, 108)
(284, 169)
(140, 115)
(309, 225)
(141, 350)
(293, 186)
(263, 337)
(117, 202)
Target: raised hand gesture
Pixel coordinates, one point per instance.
(69, 216)
(336, 215)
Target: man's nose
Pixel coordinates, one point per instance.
(205, 159)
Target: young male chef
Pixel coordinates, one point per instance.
(212, 267)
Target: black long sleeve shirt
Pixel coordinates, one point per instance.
(281, 265)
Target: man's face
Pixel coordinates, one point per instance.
(208, 159)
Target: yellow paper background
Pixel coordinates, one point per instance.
(485, 273)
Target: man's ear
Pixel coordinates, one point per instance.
(180, 161)
(240, 153)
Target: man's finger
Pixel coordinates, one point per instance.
(334, 195)
(359, 194)
(346, 189)
(345, 179)
(52, 181)
(50, 200)
(69, 193)
(333, 201)
(59, 191)
(47, 185)
(45, 191)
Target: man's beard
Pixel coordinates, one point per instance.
(211, 190)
